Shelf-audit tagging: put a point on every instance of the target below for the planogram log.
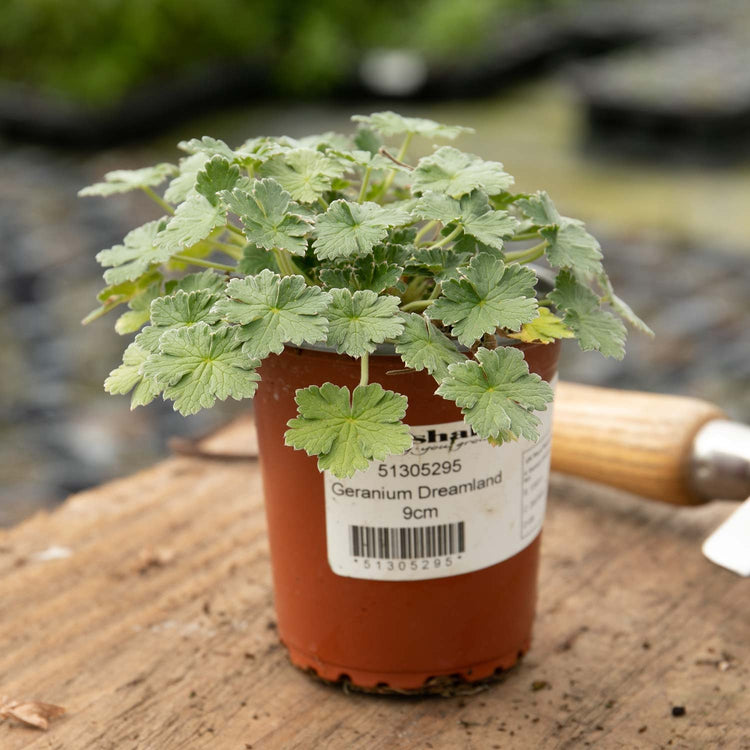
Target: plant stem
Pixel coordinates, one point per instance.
(526, 256)
(405, 146)
(323, 203)
(157, 199)
(525, 236)
(284, 262)
(237, 232)
(420, 304)
(204, 263)
(365, 368)
(392, 174)
(231, 250)
(423, 231)
(365, 181)
(287, 266)
(435, 293)
(448, 238)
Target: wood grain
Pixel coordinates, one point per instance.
(639, 442)
(157, 632)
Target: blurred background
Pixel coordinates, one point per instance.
(635, 116)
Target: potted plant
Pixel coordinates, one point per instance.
(402, 351)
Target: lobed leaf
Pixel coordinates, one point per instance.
(347, 434)
(569, 244)
(193, 221)
(456, 174)
(215, 176)
(359, 321)
(472, 213)
(545, 328)
(198, 365)
(138, 252)
(184, 183)
(423, 347)
(490, 295)
(138, 314)
(389, 124)
(594, 328)
(179, 310)
(274, 311)
(497, 394)
(194, 282)
(348, 228)
(265, 216)
(304, 173)
(125, 180)
(129, 377)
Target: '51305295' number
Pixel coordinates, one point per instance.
(427, 469)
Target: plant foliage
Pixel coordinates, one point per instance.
(333, 240)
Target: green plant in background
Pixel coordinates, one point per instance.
(340, 241)
(98, 50)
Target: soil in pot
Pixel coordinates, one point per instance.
(406, 609)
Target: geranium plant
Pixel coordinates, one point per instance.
(347, 243)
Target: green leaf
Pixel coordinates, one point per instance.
(369, 160)
(422, 346)
(304, 173)
(138, 314)
(485, 224)
(265, 215)
(125, 180)
(363, 273)
(389, 124)
(594, 328)
(196, 366)
(209, 146)
(118, 294)
(217, 175)
(360, 321)
(194, 282)
(472, 213)
(497, 394)
(540, 209)
(181, 309)
(128, 377)
(274, 311)
(367, 140)
(193, 221)
(571, 246)
(456, 174)
(344, 435)
(354, 228)
(490, 295)
(622, 308)
(255, 259)
(182, 185)
(439, 263)
(138, 252)
(546, 328)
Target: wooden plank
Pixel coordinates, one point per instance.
(157, 631)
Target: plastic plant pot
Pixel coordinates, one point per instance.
(399, 635)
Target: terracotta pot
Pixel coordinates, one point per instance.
(404, 635)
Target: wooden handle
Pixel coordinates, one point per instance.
(640, 442)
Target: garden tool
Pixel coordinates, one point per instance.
(674, 449)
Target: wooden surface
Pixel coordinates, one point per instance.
(153, 625)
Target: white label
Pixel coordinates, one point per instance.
(450, 505)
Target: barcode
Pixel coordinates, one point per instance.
(407, 543)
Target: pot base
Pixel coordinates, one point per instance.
(458, 682)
